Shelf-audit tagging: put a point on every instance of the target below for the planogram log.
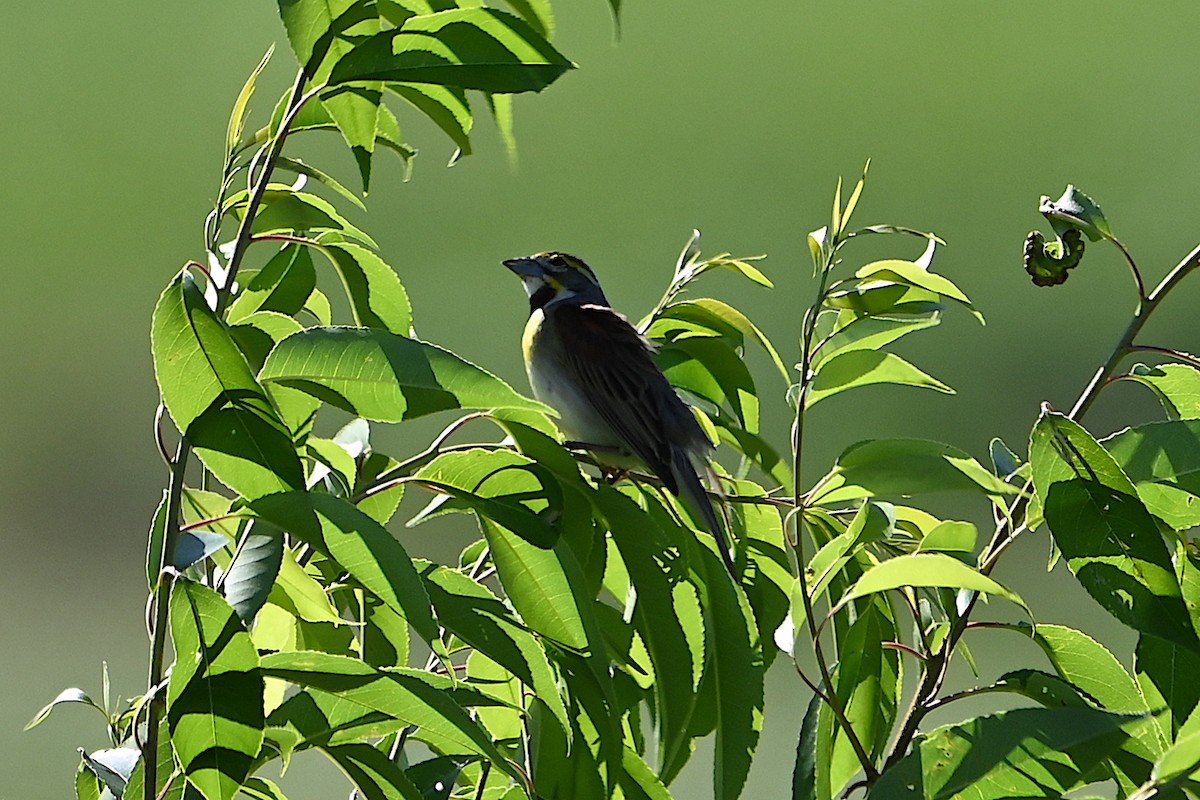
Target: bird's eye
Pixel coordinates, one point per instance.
(559, 262)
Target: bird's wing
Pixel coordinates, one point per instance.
(615, 366)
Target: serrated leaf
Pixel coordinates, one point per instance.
(472, 48)
(377, 298)
(1176, 385)
(1077, 210)
(376, 776)
(195, 360)
(471, 612)
(536, 582)
(409, 696)
(1024, 753)
(362, 546)
(286, 211)
(214, 696)
(284, 284)
(500, 485)
(446, 106)
(1112, 545)
(1162, 459)
(384, 376)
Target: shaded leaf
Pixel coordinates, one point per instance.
(251, 575)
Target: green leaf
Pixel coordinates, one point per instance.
(410, 696)
(677, 658)
(362, 546)
(871, 523)
(927, 569)
(1167, 674)
(237, 119)
(1061, 450)
(910, 273)
(867, 681)
(1163, 461)
(65, 696)
(251, 575)
(1027, 753)
(245, 452)
(472, 48)
(904, 467)
(296, 213)
(500, 485)
(312, 25)
(1076, 210)
(1179, 761)
(214, 696)
(472, 613)
(284, 284)
(718, 317)
(711, 369)
(537, 13)
(867, 332)
(804, 773)
(879, 298)
(377, 298)
(1113, 546)
(320, 176)
(384, 376)
(195, 359)
(376, 776)
(1090, 666)
(446, 106)
(854, 368)
(538, 585)
(950, 537)
(1176, 385)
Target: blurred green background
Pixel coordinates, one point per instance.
(734, 118)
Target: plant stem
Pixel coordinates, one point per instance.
(806, 353)
(241, 243)
(158, 636)
(924, 699)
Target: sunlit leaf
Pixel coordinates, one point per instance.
(473, 48)
(1035, 752)
(854, 368)
(214, 696)
(195, 359)
(1176, 385)
(362, 546)
(384, 376)
(905, 467)
(927, 569)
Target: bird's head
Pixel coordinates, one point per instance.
(553, 277)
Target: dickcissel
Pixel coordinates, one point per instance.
(591, 365)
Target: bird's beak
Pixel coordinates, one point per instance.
(526, 267)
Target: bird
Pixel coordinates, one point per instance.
(587, 362)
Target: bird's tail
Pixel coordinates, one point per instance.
(694, 496)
